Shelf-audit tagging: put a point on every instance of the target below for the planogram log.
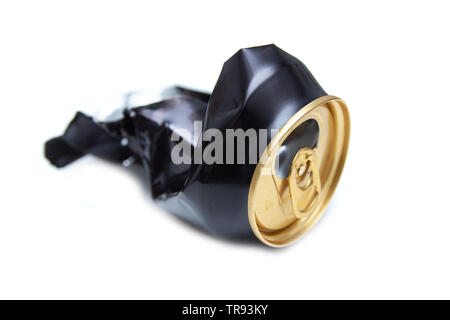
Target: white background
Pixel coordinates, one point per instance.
(91, 230)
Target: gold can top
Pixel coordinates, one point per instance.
(281, 209)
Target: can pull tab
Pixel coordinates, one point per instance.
(304, 182)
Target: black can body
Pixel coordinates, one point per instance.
(258, 88)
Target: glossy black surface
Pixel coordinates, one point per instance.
(260, 88)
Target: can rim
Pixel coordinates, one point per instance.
(337, 144)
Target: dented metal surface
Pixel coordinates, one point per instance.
(260, 88)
